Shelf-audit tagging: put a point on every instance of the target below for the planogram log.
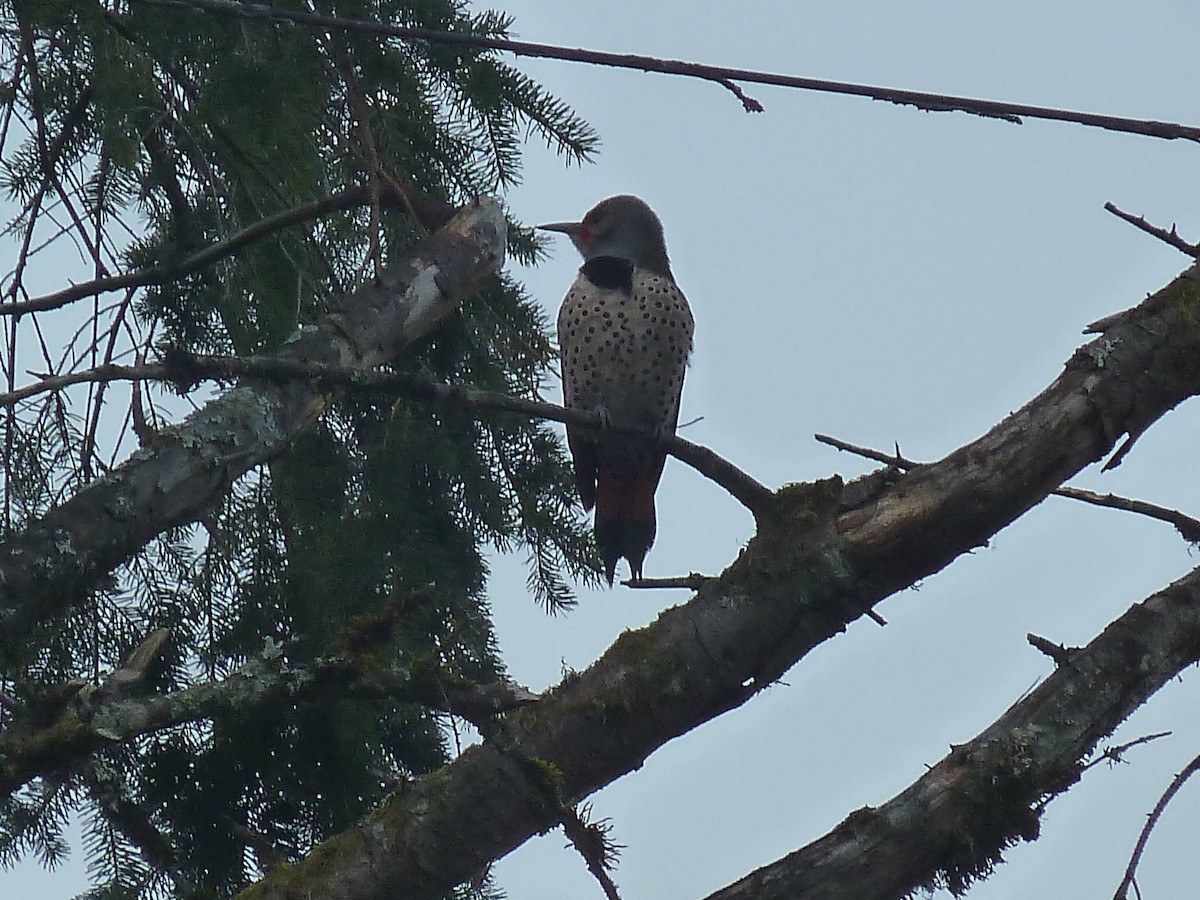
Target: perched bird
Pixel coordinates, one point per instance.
(624, 336)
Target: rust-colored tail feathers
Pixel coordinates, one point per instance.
(625, 522)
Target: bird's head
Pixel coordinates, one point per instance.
(622, 226)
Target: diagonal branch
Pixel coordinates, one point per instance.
(1177, 782)
(1171, 237)
(1010, 112)
(54, 563)
(950, 826)
(1187, 526)
(434, 214)
(812, 568)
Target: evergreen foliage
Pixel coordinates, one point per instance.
(140, 134)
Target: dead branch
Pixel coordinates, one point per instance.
(1186, 525)
(1170, 238)
(1009, 112)
(692, 582)
(1131, 870)
(1057, 652)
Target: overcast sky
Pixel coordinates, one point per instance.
(883, 275)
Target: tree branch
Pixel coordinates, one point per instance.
(593, 842)
(948, 828)
(1186, 525)
(1131, 870)
(811, 569)
(185, 369)
(433, 213)
(88, 719)
(1009, 112)
(1171, 238)
(58, 558)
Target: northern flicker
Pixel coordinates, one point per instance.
(624, 336)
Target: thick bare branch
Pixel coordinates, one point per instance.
(813, 567)
(57, 559)
(950, 825)
(1009, 112)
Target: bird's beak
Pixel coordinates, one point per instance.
(571, 228)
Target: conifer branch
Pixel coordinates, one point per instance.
(433, 213)
(55, 561)
(1009, 112)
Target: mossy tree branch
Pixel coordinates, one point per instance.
(948, 828)
(820, 558)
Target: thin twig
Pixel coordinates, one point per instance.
(1116, 754)
(748, 103)
(1168, 237)
(1186, 525)
(895, 460)
(160, 274)
(1009, 112)
(1130, 871)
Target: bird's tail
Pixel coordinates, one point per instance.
(625, 521)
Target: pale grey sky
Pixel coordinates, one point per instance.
(880, 274)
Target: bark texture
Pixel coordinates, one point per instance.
(950, 826)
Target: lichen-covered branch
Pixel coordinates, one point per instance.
(60, 557)
(82, 719)
(950, 826)
(820, 558)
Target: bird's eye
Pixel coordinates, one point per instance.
(585, 234)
